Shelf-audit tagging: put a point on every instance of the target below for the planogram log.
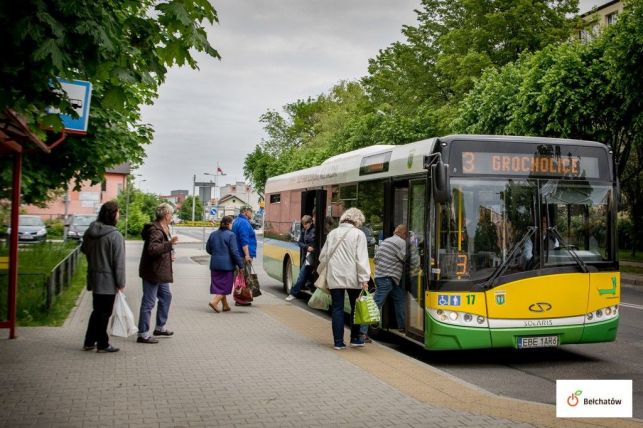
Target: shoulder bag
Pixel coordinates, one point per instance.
(321, 270)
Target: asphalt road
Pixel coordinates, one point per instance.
(531, 374)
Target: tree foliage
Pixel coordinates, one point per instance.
(413, 87)
(138, 207)
(185, 213)
(573, 90)
(124, 48)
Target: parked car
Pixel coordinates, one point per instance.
(78, 224)
(30, 228)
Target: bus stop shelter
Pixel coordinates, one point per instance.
(16, 141)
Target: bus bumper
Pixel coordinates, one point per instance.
(442, 337)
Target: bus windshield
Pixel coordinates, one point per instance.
(518, 225)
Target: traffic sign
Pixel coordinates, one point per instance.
(213, 211)
(80, 95)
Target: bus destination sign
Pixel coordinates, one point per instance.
(529, 164)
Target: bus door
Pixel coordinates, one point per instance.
(413, 275)
(313, 203)
(396, 203)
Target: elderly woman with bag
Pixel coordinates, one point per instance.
(222, 247)
(344, 257)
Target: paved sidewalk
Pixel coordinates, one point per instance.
(269, 365)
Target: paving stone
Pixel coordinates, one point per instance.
(268, 365)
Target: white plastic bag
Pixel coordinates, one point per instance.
(121, 323)
(319, 300)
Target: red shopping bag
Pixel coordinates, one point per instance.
(241, 293)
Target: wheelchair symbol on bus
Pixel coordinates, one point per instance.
(443, 299)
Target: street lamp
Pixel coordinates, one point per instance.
(216, 175)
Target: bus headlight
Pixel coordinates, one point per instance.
(458, 318)
(602, 314)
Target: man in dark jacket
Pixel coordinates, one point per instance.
(155, 269)
(307, 245)
(105, 250)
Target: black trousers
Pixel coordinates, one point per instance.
(97, 327)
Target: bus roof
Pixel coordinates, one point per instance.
(345, 168)
(520, 139)
(402, 160)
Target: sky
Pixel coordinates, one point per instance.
(274, 52)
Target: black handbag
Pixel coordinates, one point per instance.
(252, 281)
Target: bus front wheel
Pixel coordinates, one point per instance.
(287, 275)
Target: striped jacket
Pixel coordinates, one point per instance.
(390, 257)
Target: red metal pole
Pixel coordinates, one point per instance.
(13, 243)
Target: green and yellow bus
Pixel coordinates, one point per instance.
(512, 239)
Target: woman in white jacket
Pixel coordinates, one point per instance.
(345, 256)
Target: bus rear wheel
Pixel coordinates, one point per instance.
(287, 275)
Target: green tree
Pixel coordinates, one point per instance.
(123, 47)
(454, 42)
(413, 87)
(138, 207)
(574, 90)
(185, 213)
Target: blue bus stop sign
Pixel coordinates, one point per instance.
(80, 94)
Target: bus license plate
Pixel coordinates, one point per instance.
(537, 342)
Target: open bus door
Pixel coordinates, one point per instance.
(406, 200)
(313, 203)
(413, 273)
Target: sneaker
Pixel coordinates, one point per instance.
(290, 298)
(149, 339)
(163, 333)
(110, 348)
(365, 338)
(339, 347)
(89, 348)
(357, 343)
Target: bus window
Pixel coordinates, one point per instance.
(370, 199)
(481, 229)
(578, 216)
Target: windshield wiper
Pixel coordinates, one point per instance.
(517, 246)
(563, 244)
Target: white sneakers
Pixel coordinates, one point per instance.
(290, 298)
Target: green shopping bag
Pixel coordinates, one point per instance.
(366, 310)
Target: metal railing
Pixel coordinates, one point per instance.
(61, 276)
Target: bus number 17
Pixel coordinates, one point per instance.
(471, 299)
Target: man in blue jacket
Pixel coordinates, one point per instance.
(246, 239)
(245, 233)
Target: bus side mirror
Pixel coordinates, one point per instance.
(440, 180)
